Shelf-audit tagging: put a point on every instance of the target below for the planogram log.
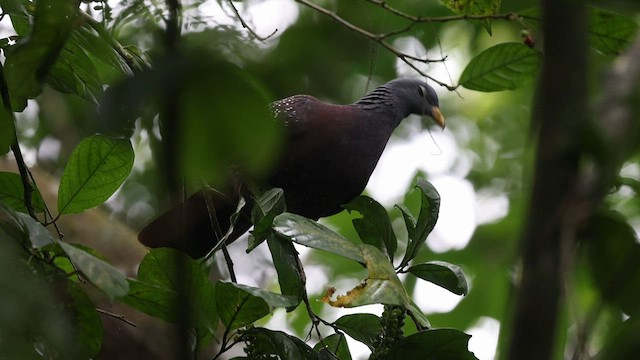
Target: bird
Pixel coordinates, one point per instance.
(328, 156)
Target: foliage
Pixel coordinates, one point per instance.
(92, 61)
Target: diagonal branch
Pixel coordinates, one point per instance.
(380, 39)
(246, 26)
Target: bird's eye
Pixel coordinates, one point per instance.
(421, 91)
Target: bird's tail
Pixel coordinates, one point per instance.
(197, 225)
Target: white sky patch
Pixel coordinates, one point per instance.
(484, 338)
(457, 219)
(403, 157)
(432, 298)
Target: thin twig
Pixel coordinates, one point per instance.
(116, 316)
(246, 26)
(417, 19)
(379, 38)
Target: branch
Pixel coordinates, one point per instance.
(379, 38)
(421, 19)
(246, 26)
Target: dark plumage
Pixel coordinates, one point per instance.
(329, 155)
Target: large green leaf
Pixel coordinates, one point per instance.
(437, 344)
(30, 61)
(96, 169)
(12, 193)
(74, 72)
(610, 33)
(241, 305)
(382, 285)
(152, 300)
(309, 233)
(365, 328)
(443, 274)
(101, 274)
(374, 228)
(180, 284)
(502, 67)
(267, 342)
(334, 346)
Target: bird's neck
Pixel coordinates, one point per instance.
(383, 101)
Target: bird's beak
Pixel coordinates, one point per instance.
(437, 116)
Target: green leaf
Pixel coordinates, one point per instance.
(24, 227)
(374, 228)
(101, 274)
(96, 169)
(7, 126)
(336, 347)
(12, 193)
(266, 207)
(179, 282)
(74, 72)
(436, 344)
(502, 67)
(30, 61)
(365, 328)
(309, 233)
(382, 285)
(443, 274)
(82, 314)
(610, 33)
(614, 255)
(241, 305)
(427, 218)
(268, 342)
(475, 7)
(152, 300)
(287, 264)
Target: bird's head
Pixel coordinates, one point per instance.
(418, 98)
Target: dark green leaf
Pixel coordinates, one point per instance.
(8, 133)
(238, 308)
(374, 228)
(437, 344)
(336, 346)
(182, 284)
(74, 72)
(84, 317)
(12, 193)
(287, 264)
(614, 254)
(268, 342)
(609, 32)
(443, 274)
(502, 67)
(101, 274)
(475, 7)
(96, 169)
(152, 299)
(30, 61)
(309, 233)
(266, 207)
(365, 328)
(429, 210)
